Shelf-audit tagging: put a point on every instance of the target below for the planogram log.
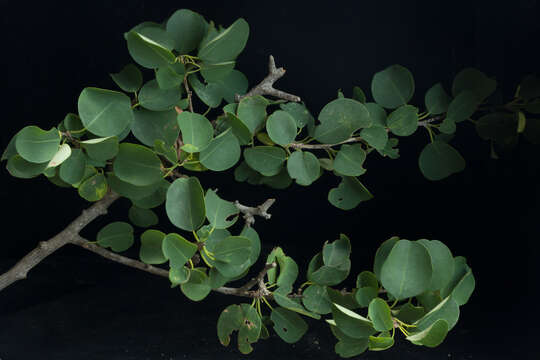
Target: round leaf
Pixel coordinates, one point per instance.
(151, 247)
(403, 121)
(477, 82)
(197, 287)
(304, 167)
(185, 204)
(442, 263)
(339, 119)
(439, 160)
(392, 87)
(117, 235)
(72, 170)
(178, 250)
(148, 126)
(129, 79)
(379, 313)
(186, 28)
(267, 160)
(142, 217)
(36, 145)
(154, 98)
(196, 130)
(281, 127)
(148, 52)
(222, 153)
(137, 165)
(228, 44)
(94, 188)
(349, 193)
(349, 160)
(463, 106)
(437, 100)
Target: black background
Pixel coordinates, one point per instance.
(76, 304)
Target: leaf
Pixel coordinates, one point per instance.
(364, 295)
(168, 151)
(117, 235)
(379, 343)
(349, 193)
(475, 81)
(462, 107)
(407, 270)
(243, 318)
(315, 299)
(380, 315)
(442, 263)
(377, 114)
(288, 272)
(409, 313)
(73, 124)
(288, 325)
(222, 153)
(94, 188)
(437, 100)
(349, 160)
(185, 204)
(439, 160)
(281, 299)
(267, 160)
(281, 127)
(129, 79)
(330, 275)
(497, 126)
(447, 310)
(462, 282)
(252, 235)
(389, 150)
(149, 126)
(177, 250)
(232, 255)
(352, 324)
(234, 83)
(359, 95)
(393, 86)
(252, 112)
(36, 145)
(147, 52)
(215, 71)
(104, 112)
(128, 190)
(197, 287)
(220, 213)
(142, 217)
(197, 131)
(403, 121)
(300, 114)
(375, 136)
(339, 119)
(170, 76)
(432, 336)
(337, 252)
(137, 165)
(72, 170)
(151, 247)
(210, 94)
(102, 150)
(304, 167)
(154, 98)
(179, 276)
(382, 254)
(227, 45)
(447, 126)
(239, 129)
(63, 153)
(229, 320)
(187, 29)
(20, 168)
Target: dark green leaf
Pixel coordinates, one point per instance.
(151, 247)
(437, 100)
(220, 213)
(267, 160)
(142, 217)
(129, 78)
(252, 112)
(117, 235)
(403, 121)
(149, 126)
(339, 119)
(304, 167)
(149, 52)
(177, 250)
(227, 45)
(393, 86)
(349, 193)
(36, 145)
(186, 28)
(439, 160)
(288, 325)
(154, 98)
(349, 160)
(137, 165)
(185, 204)
(478, 83)
(198, 286)
(463, 106)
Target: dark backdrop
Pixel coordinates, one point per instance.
(76, 304)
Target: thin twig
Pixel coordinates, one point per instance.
(189, 94)
(266, 87)
(260, 277)
(324, 146)
(250, 212)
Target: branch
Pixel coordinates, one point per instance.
(250, 212)
(324, 146)
(20, 270)
(259, 278)
(266, 87)
(189, 93)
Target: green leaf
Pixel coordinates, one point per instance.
(281, 127)
(447, 309)
(349, 193)
(129, 79)
(243, 318)
(117, 235)
(364, 295)
(478, 83)
(103, 150)
(304, 167)
(272, 273)
(252, 235)
(154, 98)
(377, 114)
(288, 325)
(177, 250)
(437, 100)
(439, 160)
(448, 126)
(168, 151)
(170, 76)
(252, 112)
(378, 343)
(367, 278)
(339, 119)
(462, 107)
(179, 276)
(154, 199)
(197, 287)
(36, 145)
(94, 188)
(73, 124)
(104, 112)
(185, 204)
(429, 299)
(10, 149)
(282, 300)
(187, 29)
(229, 320)
(375, 136)
(89, 171)
(232, 255)
(349, 160)
(239, 129)
(393, 86)
(142, 217)
(352, 324)
(382, 254)
(409, 313)
(380, 315)
(462, 282)
(432, 336)
(288, 272)
(220, 213)
(330, 275)
(497, 126)
(234, 83)
(407, 270)
(72, 170)
(151, 247)
(403, 121)
(315, 298)
(222, 153)
(227, 45)
(213, 72)
(390, 150)
(359, 95)
(137, 165)
(147, 51)
(337, 252)
(149, 126)
(267, 160)
(128, 190)
(300, 114)
(196, 130)
(210, 94)
(442, 263)
(63, 153)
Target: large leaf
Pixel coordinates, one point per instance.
(149, 51)
(185, 204)
(462, 282)
(36, 145)
(462, 107)
(339, 119)
(222, 153)
(267, 160)
(20, 168)
(447, 309)
(315, 299)
(196, 130)
(186, 28)
(393, 86)
(288, 325)
(104, 112)
(101, 151)
(382, 254)
(137, 165)
(439, 160)
(149, 126)
(304, 167)
(228, 44)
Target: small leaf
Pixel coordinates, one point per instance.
(349, 160)
(94, 188)
(222, 153)
(252, 112)
(154, 98)
(437, 100)
(149, 126)
(288, 325)
(210, 94)
(315, 299)
(442, 263)
(379, 343)
(267, 160)
(177, 250)
(379, 313)
(375, 136)
(196, 130)
(352, 324)
(439, 160)
(463, 106)
(185, 204)
(142, 217)
(393, 86)
(403, 121)
(281, 298)
(63, 153)
(281, 127)
(300, 114)
(72, 170)
(137, 165)
(36, 145)
(102, 150)
(117, 235)
(232, 255)
(349, 193)
(151, 247)
(197, 287)
(170, 76)
(186, 28)
(359, 95)
(304, 167)
(148, 52)
(339, 119)
(129, 79)
(220, 213)
(227, 45)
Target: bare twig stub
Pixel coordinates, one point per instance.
(250, 212)
(266, 87)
